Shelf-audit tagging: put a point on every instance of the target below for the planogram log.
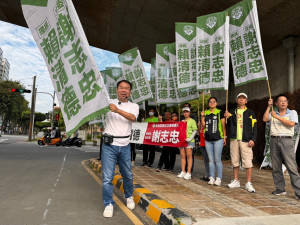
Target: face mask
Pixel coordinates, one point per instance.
(151, 113)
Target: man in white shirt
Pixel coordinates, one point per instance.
(118, 124)
(283, 121)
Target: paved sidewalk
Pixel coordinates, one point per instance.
(220, 205)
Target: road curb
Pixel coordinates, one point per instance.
(159, 210)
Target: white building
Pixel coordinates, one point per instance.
(4, 69)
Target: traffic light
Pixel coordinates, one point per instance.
(13, 90)
(57, 117)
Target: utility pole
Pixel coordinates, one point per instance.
(35, 91)
(32, 110)
(53, 110)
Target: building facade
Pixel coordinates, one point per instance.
(4, 69)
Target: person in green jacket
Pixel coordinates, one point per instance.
(191, 131)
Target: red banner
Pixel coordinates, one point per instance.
(166, 134)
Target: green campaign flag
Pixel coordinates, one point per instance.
(112, 75)
(165, 87)
(245, 43)
(185, 37)
(183, 94)
(80, 89)
(152, 82)
(212, 50)
(134, 71)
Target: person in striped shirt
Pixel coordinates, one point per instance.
(282, 122)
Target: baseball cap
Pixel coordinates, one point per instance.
(242, 94)
(186, 109)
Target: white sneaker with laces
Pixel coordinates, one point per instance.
(249, 187)
(218, 181)
(130, 203)
(211, 180)
(234, 184)
(181, 175)
(108, 211)
(187, 176)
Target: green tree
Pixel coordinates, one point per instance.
(11, 104)
(39, 116)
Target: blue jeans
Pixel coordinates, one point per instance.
(214, 151)
(206, 160)
(111, 155)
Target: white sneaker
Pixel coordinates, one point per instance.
(249, 187)
(211, 180)
(187, 176)
(218, 181)
(108, 211)
(130, 203)
(181, 175)
(234, 184)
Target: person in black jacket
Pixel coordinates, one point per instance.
(243, 131)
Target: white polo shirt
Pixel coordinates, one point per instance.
(117, 125)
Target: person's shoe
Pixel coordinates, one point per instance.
(143, 164)
(297, 197)
(279, 192)
(187, 176)
(132, 163)
(234, 184)
(108, 211)
(181, 175)
(166, 169)
(158, 169)
(148, 165)
(130, 203)
(249, 187)
(204, 178)
(211, 181)
(218, 181)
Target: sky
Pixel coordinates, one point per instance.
(25, 61)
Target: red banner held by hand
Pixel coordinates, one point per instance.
(166, 134)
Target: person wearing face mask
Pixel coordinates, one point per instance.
(168, 155)
(149, 150)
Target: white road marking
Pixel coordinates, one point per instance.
(52, 190)
(2, 140)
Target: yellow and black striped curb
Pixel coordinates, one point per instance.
(159, 210)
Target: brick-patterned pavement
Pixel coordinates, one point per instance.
(201, 200)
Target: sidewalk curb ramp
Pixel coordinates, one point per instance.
(159, 210)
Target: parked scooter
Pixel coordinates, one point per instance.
(75, 141)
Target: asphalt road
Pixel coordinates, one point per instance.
(49, 185)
